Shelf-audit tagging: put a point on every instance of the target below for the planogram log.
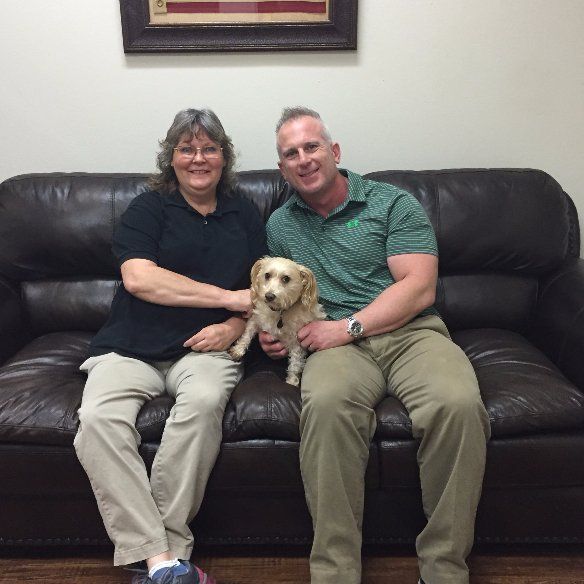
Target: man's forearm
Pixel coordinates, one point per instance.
(393, 308)
(396, 306)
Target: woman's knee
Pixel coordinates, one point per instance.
(98, 420)
(95, 415)
(101, 428)
(208, 403)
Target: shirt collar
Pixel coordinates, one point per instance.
(225, 204)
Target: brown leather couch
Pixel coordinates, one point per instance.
(511, 290)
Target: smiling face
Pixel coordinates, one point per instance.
(308, 161)
(197, 176)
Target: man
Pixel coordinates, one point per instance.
(374, 255)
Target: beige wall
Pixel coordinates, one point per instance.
(434, 84)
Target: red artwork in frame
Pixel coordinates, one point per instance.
(238, 25)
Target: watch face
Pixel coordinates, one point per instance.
(356, 328)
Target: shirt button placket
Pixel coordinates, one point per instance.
(320, 229)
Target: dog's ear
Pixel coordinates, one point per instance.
(255, 271)
(309, 289)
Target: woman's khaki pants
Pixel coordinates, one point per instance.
(436, 383)
(143, 517)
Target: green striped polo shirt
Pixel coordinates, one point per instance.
(348, 249)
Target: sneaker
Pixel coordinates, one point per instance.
(204, 578)
(194, 575)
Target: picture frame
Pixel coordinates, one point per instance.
(161, 26)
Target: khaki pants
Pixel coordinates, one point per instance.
(436, 383)
(145, 517)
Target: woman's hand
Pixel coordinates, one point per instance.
(217, 337)
(239, 301)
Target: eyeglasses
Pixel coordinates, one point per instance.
(207, 152)
(293, 154)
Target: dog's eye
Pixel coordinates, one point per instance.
(285, 279)
(267, 276)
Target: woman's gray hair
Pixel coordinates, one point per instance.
(186, 125)
(293, 113)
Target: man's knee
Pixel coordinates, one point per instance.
(457, 406)
(340, 387)
(329, 410)
(463, 404)
(331, 396)
(340, 374)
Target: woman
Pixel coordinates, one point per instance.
(185, 249)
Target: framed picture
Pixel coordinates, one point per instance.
(238, 25)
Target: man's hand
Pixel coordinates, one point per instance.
(324, 334)
(272, 347)
(215, 337)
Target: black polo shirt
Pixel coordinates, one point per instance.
(217, 249)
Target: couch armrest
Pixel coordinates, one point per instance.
(12, 328)
(558, 325)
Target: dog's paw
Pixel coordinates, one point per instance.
(236, 354)
(293, 379)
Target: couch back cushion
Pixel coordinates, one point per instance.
(498, 231)
(59, 227)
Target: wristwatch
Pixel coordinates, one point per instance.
(355, 328)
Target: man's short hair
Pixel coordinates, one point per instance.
(293, 113)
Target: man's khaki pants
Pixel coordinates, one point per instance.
(144, 518)
(436, 383)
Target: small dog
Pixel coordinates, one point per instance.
(284, 295)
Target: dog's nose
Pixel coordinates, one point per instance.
(270, 296)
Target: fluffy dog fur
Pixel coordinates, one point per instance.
(284, 295)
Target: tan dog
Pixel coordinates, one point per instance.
(284, 295)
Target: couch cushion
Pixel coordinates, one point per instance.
(80, 304)
(61, 225)
(524, 393)
(508, 220)
(487, 300)
(41, 389)
(263, 406)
